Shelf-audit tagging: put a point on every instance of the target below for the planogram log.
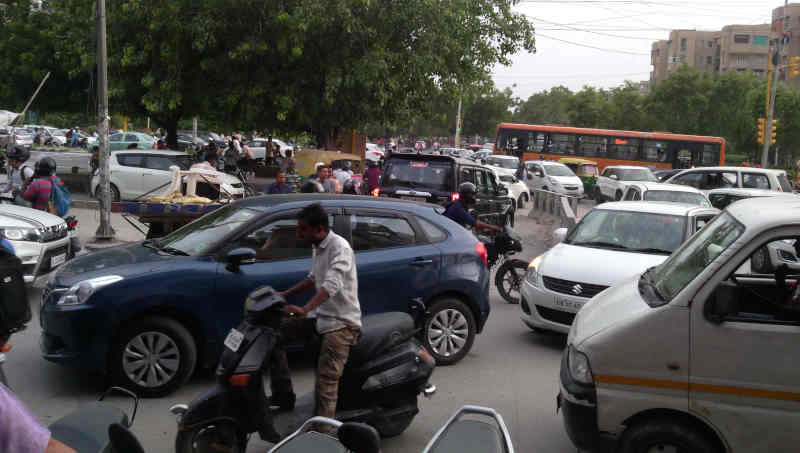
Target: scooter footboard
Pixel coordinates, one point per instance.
(462, 434)
(86, 429)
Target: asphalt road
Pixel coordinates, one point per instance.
(509, 368)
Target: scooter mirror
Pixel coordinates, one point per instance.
(359, 438)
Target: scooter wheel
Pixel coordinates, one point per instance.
(211, 437)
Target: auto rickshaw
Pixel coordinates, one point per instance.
(584, 169)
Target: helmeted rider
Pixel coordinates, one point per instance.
(20, 173)
(458, 209)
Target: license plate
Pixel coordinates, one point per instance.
(566, 303)
(58, 260)
(234, 340)
(412, 198)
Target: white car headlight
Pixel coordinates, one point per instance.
(22, 234)
(78, 294)
(532, 274)
(579, 367)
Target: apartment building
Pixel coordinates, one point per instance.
(744, 48)
(698, 49)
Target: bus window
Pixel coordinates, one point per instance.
(562, 144)
(624, 148)
(592, 146)
(513, 142)
(536, 142)
(710, 154)
(655, 151)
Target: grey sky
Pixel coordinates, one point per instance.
(634, 24)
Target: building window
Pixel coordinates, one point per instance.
(702, 43)
(710, 44)
(741, 39)
(741, 60)
(683, 43)
(760, 40)
(683, 58)
(708, 60)
(758, 72)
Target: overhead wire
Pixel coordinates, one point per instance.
(593, 32)
(603, 49)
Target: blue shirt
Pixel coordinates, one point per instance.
(274, 188)
(459, 214)
(4, 243)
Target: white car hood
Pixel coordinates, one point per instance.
(505, 171)
(568, 180)
(22, 217)
(595, 265)
(612, 306)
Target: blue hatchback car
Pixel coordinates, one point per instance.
(149, 313)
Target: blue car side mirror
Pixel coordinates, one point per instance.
(239, 256)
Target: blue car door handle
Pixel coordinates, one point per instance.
(421, 262)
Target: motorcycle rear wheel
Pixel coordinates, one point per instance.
(211, 437)
(509, 280)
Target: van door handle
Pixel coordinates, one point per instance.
(421, 262)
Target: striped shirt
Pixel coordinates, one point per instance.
(38, 192)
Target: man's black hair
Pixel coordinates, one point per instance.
(315, 216)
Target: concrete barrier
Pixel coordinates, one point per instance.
(553, 209)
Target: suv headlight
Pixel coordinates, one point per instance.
(22, 234)
(532, 274)
(78, 294)
(579, 368)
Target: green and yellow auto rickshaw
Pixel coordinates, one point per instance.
(584, 169)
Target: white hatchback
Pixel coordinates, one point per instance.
(553, 177)
(611, 243)
(656, 191)
(137, 174)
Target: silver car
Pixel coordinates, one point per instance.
(40, 239)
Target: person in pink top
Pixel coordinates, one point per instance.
(21, 432)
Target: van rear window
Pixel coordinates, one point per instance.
(434, 175)
(784, 182)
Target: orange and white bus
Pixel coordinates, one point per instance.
(609, 147)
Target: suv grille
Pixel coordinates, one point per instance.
(53, 233)
(560, 317)
(572, 288)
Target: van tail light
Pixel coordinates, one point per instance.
(240, 380)
(481, 249)
(5, 348)
(454, 196)
(375, 192)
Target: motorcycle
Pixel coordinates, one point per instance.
(466, 435)
(500, 248)
(386, 371)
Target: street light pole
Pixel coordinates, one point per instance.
(771, 96)
(104, 232)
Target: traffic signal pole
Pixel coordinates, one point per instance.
(773, 92)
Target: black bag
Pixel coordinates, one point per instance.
(15, 311)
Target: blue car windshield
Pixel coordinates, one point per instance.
(204, 233)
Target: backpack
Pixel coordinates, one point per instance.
(15, 311)
(60, 199)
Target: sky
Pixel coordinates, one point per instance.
(602, 43)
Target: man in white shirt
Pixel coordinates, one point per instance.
(335, 306)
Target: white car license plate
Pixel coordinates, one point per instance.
(234, 340)
(566, 303)
(58, 260)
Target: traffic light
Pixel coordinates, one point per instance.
(773, 135)
(794, 67)
(760, 130)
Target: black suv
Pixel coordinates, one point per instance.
(435, 179)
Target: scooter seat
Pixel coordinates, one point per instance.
(379, 333)
(86, 429)
(470, 435)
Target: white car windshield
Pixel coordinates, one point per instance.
(504, 163)
(204, 233)
(676, 197)
(630, 231)
(558, 170)
(636, 174)
(685, 264)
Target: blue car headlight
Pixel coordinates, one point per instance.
(81, 292)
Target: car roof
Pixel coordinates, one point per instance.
(748, 192)
(653, 207)
(749, 169)
(664, 186)
(158, 152)
(766, 213)
(575, 160)
(439, 157)
(552, 164)
(503, 156)
(267, 202)
(628, 167)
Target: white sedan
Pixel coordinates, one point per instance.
(612, 242)
(40, 239)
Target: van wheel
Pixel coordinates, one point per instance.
(114, 192)
(618, 195)
(598, 195)
(521, 201)
(449, 331)
(154, 356)
(663, 435)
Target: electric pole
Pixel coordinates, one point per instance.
(458, 125)
(104, 231)
(771, 96)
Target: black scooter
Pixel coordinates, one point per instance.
(387, 369)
